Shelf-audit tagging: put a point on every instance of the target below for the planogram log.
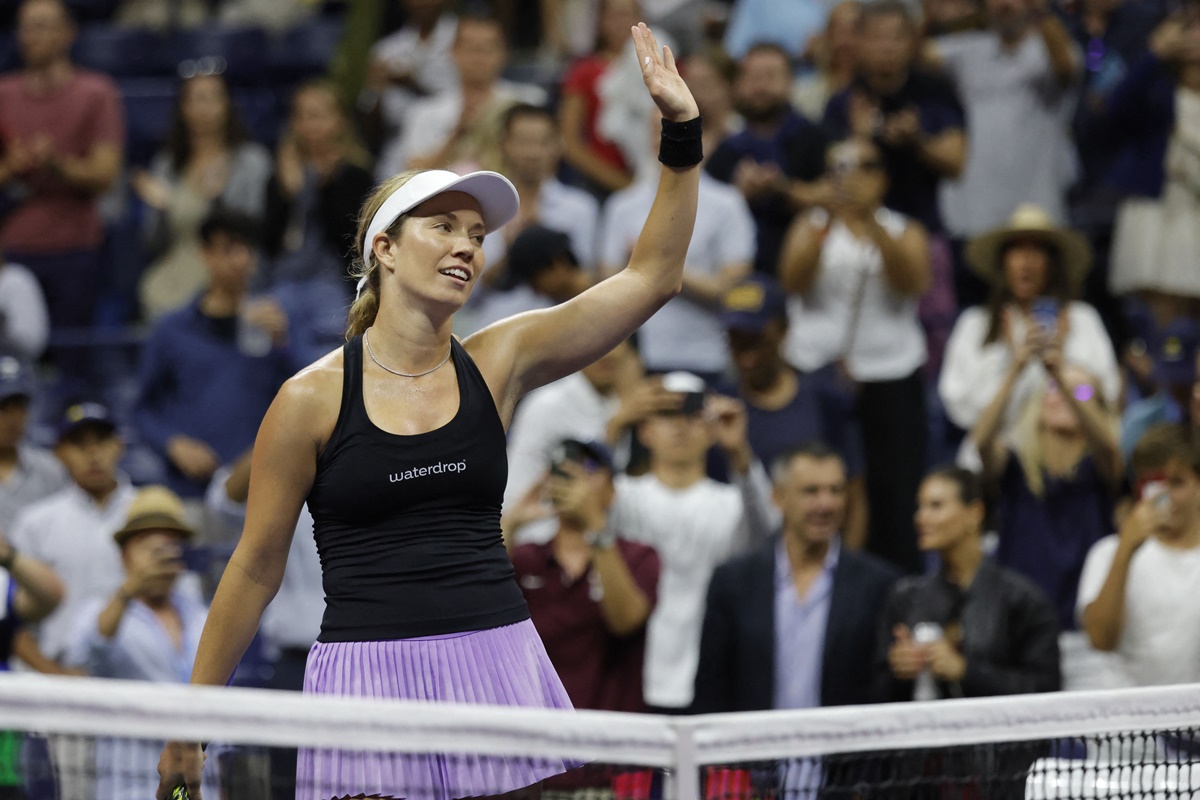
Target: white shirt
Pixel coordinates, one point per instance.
(1160, 634)
(693, 530)
(569, 408)
(24, 320)
(683, 334)
(38, 475)
(432, 119)
(428, 61)
(973, 372)
(293, 618)
(560, 208)
(71, 533)
(1019, 116)
(887, 340)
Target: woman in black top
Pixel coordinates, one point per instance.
(400, 455)
(993, 632)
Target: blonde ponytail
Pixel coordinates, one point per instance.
(366, 305)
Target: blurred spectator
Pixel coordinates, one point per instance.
(600, 163)
(595, 404)
(834, 54)
(407, 66)
(62, 131)
(590, 591)
(162, 15)
(29, 590)
(913, 116)
(709, 74)
(792, 624)
(1029, 261)
(208, 161)
(1055, 479)
(1136, 594)
(459, 128)
(27, 473)
(321, 178)
(270, 14)
(71, 529)
(1155, 113)
(24, 320)
(973, 628)
(1171, 380)
(1016, 81)
(685, 333)
(789, 26)
(542, 272)
(777, 159)
(855, 274)
(943, 17)
(784, 408)
(292, 620)
(531, 146)
(210, 369)
(692, 521)
(1112, 35)
(146, 630)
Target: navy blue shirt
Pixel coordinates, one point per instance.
(912, 184)
(194, 381)
(798, 149)
(820, 412)
(1047, 538)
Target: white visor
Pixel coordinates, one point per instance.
(497, 198)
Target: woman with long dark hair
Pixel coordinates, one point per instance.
(208, 158)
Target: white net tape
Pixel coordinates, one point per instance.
(1139, 729)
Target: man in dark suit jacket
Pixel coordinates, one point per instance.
(793, 624)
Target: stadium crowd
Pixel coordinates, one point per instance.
(924, 421)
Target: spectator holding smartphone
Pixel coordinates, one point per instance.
(147, 630)
(1028, 262)
(590, 591)
(1136, 594)
(1055, 478)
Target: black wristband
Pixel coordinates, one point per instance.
(681, 145)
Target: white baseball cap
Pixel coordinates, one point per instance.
(497, 198)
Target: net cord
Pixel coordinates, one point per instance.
(135, 709)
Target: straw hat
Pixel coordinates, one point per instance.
(154, 508)
(1030, 221)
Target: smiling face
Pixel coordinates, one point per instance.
(1056, 411)
(438, 256)
(1026, 268)
(811, 494)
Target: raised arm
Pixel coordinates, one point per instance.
(986, 433)
(530, 350)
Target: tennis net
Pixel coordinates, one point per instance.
(77, 739)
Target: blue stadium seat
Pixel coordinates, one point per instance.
(149, 105)
(304, 51)
(261, 111)
(10, 59)
(92, 10)
(244, 50)
(120, 52)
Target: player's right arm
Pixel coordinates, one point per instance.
(282, 471)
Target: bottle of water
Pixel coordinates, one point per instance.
(925, 687)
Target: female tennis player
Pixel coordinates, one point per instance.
(397, 442)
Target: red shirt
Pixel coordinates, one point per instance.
(582, 79)
(84, 112)
(599, 670)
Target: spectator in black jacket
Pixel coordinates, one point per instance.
(974, 627)
(320, 181)
(792, 624)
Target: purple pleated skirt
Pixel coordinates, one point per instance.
(505, 666)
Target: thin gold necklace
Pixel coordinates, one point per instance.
(386, 368)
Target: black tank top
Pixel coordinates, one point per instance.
(408, 527)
